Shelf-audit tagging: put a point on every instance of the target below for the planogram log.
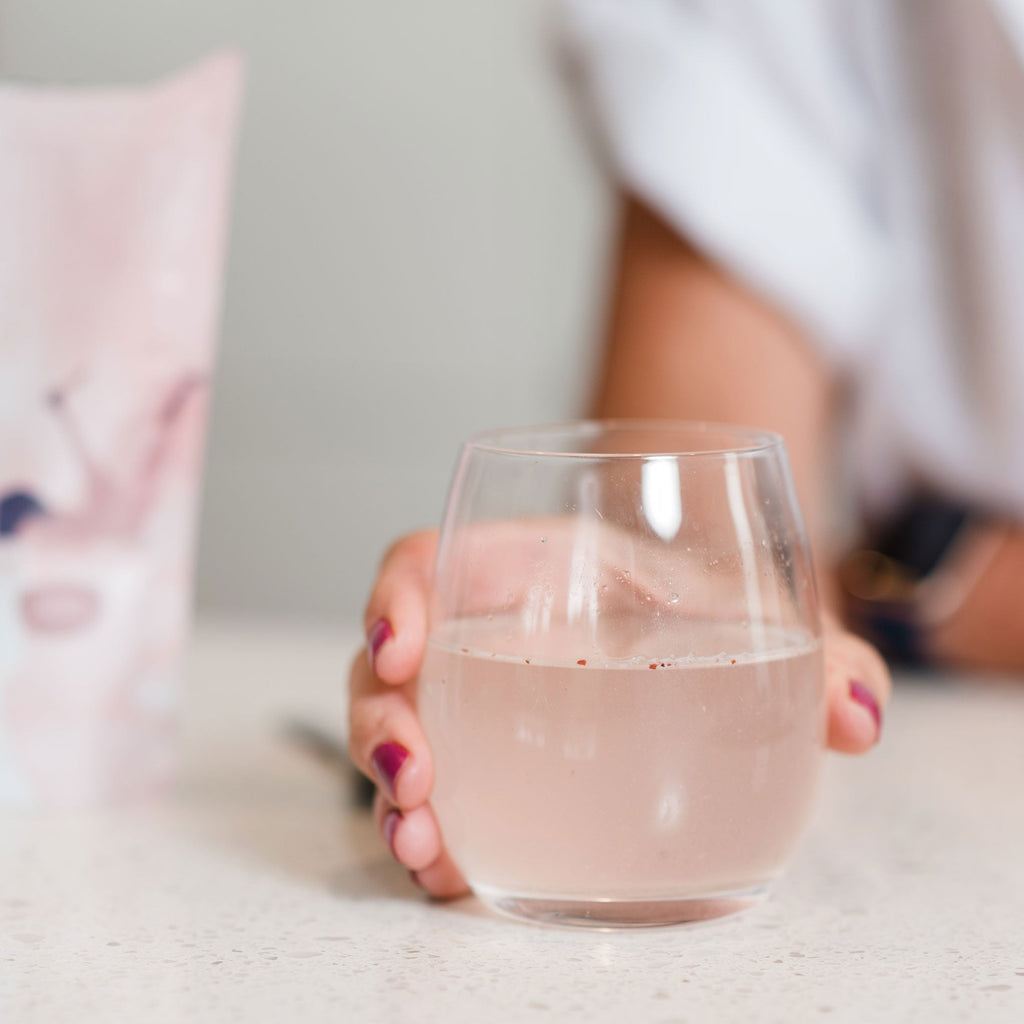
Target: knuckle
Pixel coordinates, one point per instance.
(358, 670)
(394, 551)
(367, 728)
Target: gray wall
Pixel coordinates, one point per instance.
(418, 240)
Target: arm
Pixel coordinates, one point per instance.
(686, 341)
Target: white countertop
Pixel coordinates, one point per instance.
(257, 893)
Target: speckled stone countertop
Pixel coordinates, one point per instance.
(259, 894)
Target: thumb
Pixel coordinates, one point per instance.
(858, 686)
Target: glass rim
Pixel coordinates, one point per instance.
(721, 439)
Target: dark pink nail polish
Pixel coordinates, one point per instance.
(863, 696)
(391, 820)
(379, 636)
(387, 761)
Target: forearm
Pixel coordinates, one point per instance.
(686, 341)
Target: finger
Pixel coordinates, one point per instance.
(396, 614)
(413, 836)
(859, 688)
(442, 879)
(415, 842)
(386, 741)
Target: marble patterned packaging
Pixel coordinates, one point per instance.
(114, 206)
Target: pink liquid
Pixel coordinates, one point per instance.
(615, 781)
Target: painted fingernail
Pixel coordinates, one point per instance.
(863, 696)
(391, 820)
(387, 762)
(379, 636)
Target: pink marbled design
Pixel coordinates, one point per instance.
(109, 293)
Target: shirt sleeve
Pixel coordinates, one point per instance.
(741, 133)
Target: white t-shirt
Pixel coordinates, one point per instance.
(861, 164)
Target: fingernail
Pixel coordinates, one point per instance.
(391, 820)
(379, 636)
(387, 761)
(863, 696)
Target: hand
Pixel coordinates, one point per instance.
(386, 741)
(388, 744)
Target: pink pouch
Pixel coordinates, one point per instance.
(113, 206)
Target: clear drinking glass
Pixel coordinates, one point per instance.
(624, 686)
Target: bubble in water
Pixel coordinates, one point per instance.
(673, 599)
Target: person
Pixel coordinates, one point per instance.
(820, 204)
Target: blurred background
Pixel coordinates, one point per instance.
(417, 247)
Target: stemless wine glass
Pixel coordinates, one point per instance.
(624, 685)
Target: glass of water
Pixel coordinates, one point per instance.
(624, 685)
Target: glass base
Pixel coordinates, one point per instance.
(610, 914)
